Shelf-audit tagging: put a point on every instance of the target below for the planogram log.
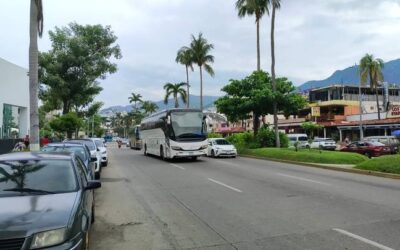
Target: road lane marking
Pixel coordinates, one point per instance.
(304, 179)
(227, 186)
(367, 241)
(177, 166)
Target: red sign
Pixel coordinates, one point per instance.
(394, 111)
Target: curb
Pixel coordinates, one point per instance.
(316, 165)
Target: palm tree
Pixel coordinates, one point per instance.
(175, 90)
(371, 71)
(201, 49)
(184, 57)
(35, 29)
(275, 5)
(149, 107)
(135, 98)
(257, 8)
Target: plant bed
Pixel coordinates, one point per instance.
(385, 164)
(306, 156)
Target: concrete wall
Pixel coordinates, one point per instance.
(14, 86)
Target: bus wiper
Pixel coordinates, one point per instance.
(29, 190)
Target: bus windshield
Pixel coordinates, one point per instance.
(187, 125)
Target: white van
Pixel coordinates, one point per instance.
(301, 139)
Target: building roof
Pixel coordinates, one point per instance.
(367, 122)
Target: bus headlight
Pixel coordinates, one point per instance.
(176, 148)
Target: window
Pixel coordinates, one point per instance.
(83, 174)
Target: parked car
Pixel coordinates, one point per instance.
(220, 147)
(52, 208)
(367, 148)
(94, 153)
(103, 150)
(125, 141)
(323, 143)
(391, 141)
(79, 149)
(300, 139)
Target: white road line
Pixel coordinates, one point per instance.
(177, 166)
(227, 186)
(304, 179)
(357, 237)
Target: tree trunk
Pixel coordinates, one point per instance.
(258, 43)
(33, 78)
(377, 102)
(69, 135)
(176, 101)
(256, 123)
(201, 88)
(188, 86)
(275, 106)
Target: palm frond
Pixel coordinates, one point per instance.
(209, 70)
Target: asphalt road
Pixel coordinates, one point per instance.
(241, 203)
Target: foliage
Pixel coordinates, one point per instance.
(307, 156)
(149, 107)
(214, 135)
(311, 127)
(66, 123)
(79, 56)
(185, 57)
(243, 141)
(175, 90)
(135, 98)
(386, 164)
(254, 95)
(266, 138)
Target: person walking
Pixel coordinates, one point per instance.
(26, 141)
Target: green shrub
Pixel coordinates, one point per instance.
(386, 164)
(284, 140)
(214, 135)
(243, 141)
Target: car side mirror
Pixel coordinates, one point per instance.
(93, 159)
(93, 185)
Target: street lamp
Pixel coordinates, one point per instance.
(361, 111)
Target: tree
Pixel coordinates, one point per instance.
(371, 71)
(185, 57)
(80, 55)
(310, 127)
(257, 8)
(275, 5)
(201, 56)
(149, 107)
(35, 29)
(67, 123)
(175, 90)
(253, 97)
(135, 98)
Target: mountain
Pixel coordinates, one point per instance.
(350, 76)
(208, 101)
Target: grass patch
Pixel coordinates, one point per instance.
(305, 155)
(386, 164)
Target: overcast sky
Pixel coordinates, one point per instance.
(313, 38)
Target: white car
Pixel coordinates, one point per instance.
(103, 150)
(220, 147)
(323, 143)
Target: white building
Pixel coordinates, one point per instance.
(14, 100)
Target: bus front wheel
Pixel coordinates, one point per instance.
(145, 150)
(162, 153)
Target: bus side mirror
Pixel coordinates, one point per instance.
(169, 120)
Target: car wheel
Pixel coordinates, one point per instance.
(97, 175)
(367, 154)
(106, 163)
(212, 153)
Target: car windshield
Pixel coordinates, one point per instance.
(375, 143)
(90, 144)
(222, 142)
(303, 138)
(79, 151)
(187, 125)
(36, 177)
(99, 143)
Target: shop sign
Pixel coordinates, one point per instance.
(394, 111)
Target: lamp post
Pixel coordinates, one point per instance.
(361, 111)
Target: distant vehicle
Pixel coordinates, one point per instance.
(94, 153)
(79, 149)
(108, 138)
(220, 147)
(125, 141)
(323, 143)
(53, 208)
(103, 150)
(390, 141)
(367, 148)
(300, 139)
(175, 133)
(135, 141)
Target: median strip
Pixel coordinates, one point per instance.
(367, 241)
(225, 185)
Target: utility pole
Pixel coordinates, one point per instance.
(361, 110)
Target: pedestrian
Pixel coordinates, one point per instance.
(45, 140)
(347, 140)
(119, 143)
(26, 141)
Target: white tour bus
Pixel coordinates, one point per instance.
(175, 133)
